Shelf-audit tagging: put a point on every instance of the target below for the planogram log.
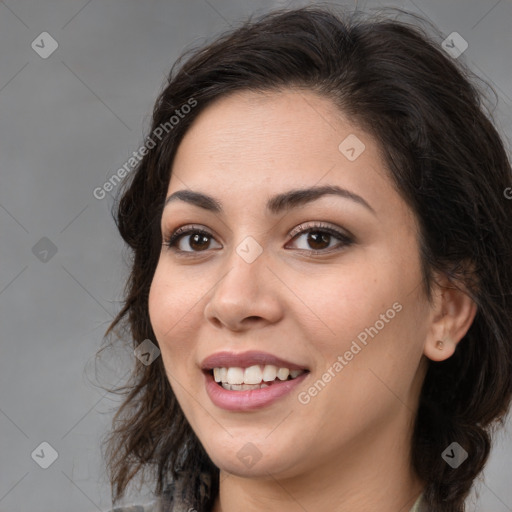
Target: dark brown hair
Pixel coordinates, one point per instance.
(446, 160)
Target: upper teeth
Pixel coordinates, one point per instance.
(254, 374)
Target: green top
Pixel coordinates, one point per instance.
(177, 499)
(417, 504)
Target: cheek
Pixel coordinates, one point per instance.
(161, 302)
(170, 301)
(371, 317)
(353, 301)
(170, 315)
(171, 311)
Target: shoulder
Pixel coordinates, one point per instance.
(419, 505)
(177, 497)
(148, 507)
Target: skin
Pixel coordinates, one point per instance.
(348, 448)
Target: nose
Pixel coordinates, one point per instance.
(246, 295)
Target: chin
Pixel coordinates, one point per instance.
(260, 470)
(250, 460)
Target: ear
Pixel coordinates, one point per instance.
(452, 313)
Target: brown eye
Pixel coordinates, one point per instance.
(319, 239)
(197, 240)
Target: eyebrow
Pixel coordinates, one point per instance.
(276, 204)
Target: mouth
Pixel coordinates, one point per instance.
(251, 380)
(236, 378)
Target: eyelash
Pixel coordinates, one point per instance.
(345, 240)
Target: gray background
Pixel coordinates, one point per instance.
(67, 123)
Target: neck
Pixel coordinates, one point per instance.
(374, 473)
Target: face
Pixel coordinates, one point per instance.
(328, 285)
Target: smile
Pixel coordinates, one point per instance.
(249, 380)
(254, 377)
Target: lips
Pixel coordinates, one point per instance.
(246, 359)
(248, 400)
(243, 397)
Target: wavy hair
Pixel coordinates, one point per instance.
(445, 158)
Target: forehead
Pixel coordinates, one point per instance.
(268, 129)
(273, 124)
(255, 142)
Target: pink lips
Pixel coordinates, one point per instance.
(251, 399)
(254, 398)
(246, 359)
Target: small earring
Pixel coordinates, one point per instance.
(439, 345)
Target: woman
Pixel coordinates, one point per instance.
(322, 252)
